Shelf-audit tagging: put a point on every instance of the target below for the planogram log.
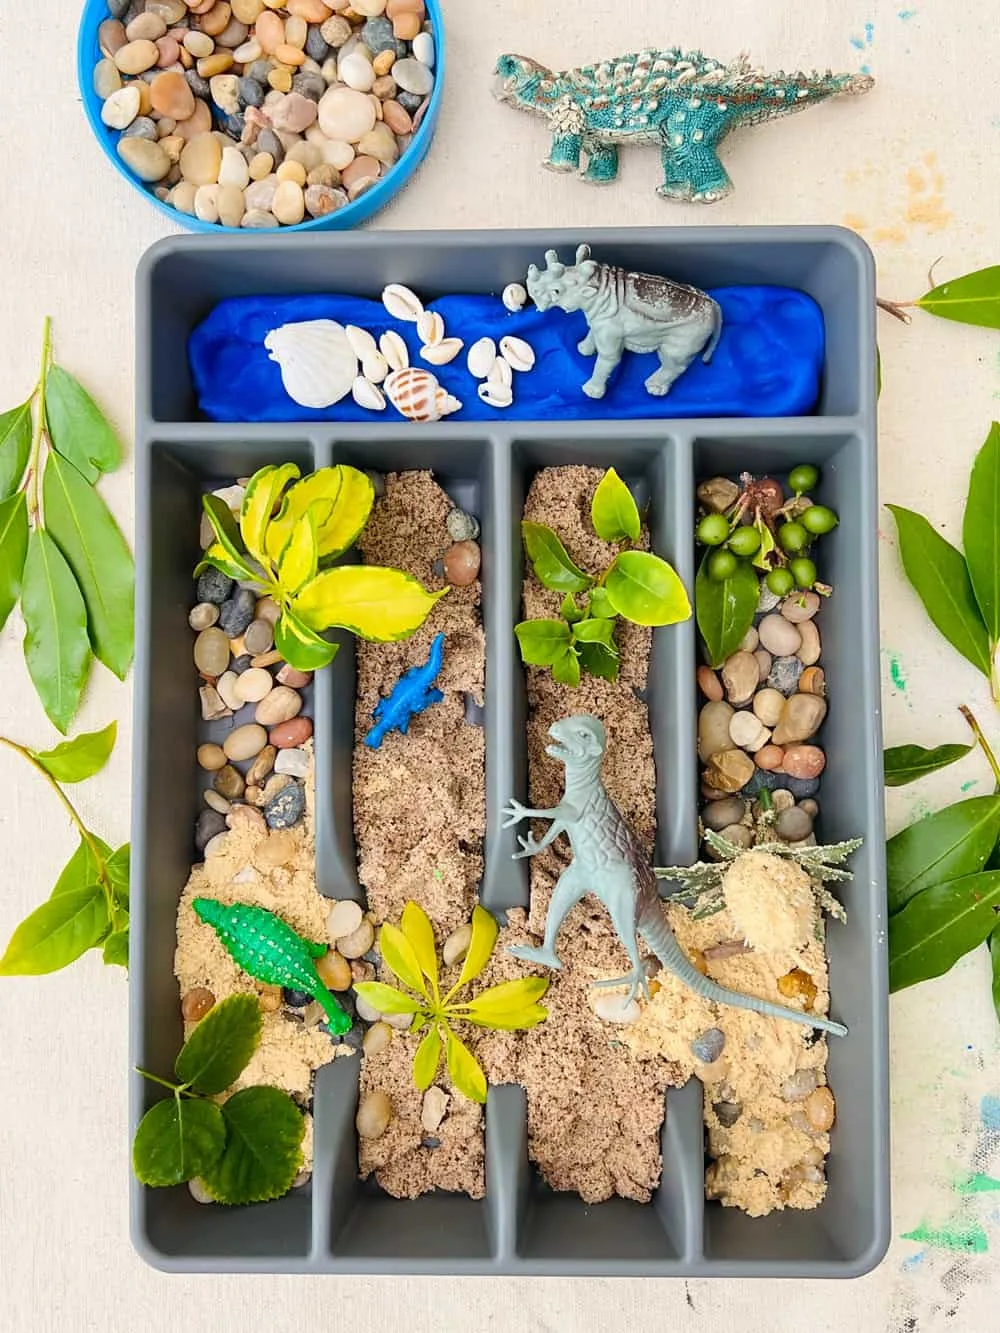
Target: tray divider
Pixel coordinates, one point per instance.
(508, 1174)
(680, 1199)
(335, 1181)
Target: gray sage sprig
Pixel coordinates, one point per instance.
(62, 556)
(636, 585)
(88, 907)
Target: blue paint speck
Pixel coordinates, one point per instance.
(914, 1261)
(905, 14)
(989, 1111)
(858, 43)
(869, 33)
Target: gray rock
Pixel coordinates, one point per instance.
(462, 527)
(784, 675)
(234, 125)
(268, 142)
(728, 1113)
(411, 102)
(214, 586)
(309, 84)
(236, 612)
(210, 823)
(709, 1046)
(800, 787)
(287, 808)
(296, 764)
(197, 84)
(251, 92)
(429, 1141)
(764, 781)
(316, 44)
(793, 825)
(241, 664)
(118, 7)
(141, 128)
(718, 815)
(378, 36)
(413, 77)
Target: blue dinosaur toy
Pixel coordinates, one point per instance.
(412, 694)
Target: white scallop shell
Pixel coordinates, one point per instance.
(416, 394)
(368, 395)
(501, 374)
(401, 303)
(518, 354)
(362, 342)
(375, 367)
(514, 297)
(495, 395)
(439, 354)
(394, 350)
(481, 356)
(317, 364)
(430, 327)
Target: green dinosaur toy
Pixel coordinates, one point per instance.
(269, 950)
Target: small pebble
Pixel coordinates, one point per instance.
(366, 1012)
(136, 57)
(800, 606)
(615, 1008)
(784, 675)
(713, 728)
(738, 834)
(254, 685)
(769, 704)
(462, 527)
(344, 919)
(298, 680)
(196, 1004)
(799, 1086)
(769, 757)
(717, 495)
(801, 718)
(296, 999)
(121, 107)
(217, 846)
(709, 1046)
(412, 76)
(800, 787)
(210, 823)
(456, 946)
(718, 815)
(779, 636)
(229, 782)
(293, 762)
(245, 742)
(211, 652)
(203, 616)
(461, 563)
(813, 681)
(809, 647)
(740, 677)
(278, 849)
(747, 731)
(216, 802)
(810, 807)
(357, 944)
(211, 758)
(821, 1110)
(226, 685)
(729, 770)
(199, 1190)
(377, 1038)
(374, 1114)
(727, 1113)
(797, 984)
(763, 659)
(213, 705)
(291, 735)
(280, 704)
(334, 971)
(259, 637)
(271, 998)
(287, 808)
(709, 684)
(750, 641)
(237, 612)
(433, 1108)
(804, 761)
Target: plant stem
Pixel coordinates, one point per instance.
(35, 457)
(155, 1078)
(982, 742)
(70, 809)
(897, 309)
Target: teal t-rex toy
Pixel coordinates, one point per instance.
(609, 863)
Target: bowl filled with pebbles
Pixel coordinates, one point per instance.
(263, 114)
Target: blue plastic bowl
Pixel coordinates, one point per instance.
(88, 53)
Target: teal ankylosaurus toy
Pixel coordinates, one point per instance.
(684, 101)
(267, 949)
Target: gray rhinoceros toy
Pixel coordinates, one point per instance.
(634, 312)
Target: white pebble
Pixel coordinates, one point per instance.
(216, 846)
(456, 946)
(296, 764)
(345, 916)
(121, 108)
(779, 636)
(616, 1008)
(356, 72)
(433, 1109)
(206, 203)
(423, 49)
(226, 686)
(366, 1011)
(235, 169)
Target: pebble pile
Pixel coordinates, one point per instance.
(255, 113)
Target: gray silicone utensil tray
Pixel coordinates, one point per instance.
(338, 1224)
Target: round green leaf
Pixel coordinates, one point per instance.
(542, 642)
(940, 925)
(221, 1046)
(263, 1152)
(57, 933)
(725, 609)
(426, 1060)
(80, 758)
(177, 1140)
(646, 590)
(551, 561)
(613, 510)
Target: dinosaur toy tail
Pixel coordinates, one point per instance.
(655, 930)
(339, 1020)
(713, 342)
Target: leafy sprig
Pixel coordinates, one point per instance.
(972, 299)
(89, 905)
(249, 1149)
(636, 585)
(285, 543)
(62, 555)
(409, 952)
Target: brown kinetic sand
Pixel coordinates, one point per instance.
(419, 817)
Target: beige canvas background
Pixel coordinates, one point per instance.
(914, 167)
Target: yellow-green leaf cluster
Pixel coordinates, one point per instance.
(290, 531)
(410, 953)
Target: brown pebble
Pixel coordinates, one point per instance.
(171, 95)
(397, 118)
(374, 1115)
(271, 658)
(229, 782)
(361, 971)
(136, 57)
(289, 55)
(196, 1004)
(211, 758)
(280, 705)
(218, 63)
(199, 123)
(813, 681)
(729, 770)
(246, 817)
(804, 761)
(277, 849)
(290, 735)
(111, 37)
(215, 19)
(461, 563)
(360, 169)
(709, 684)
(798, 985)
(271, 999)
(297, 680)
(334, 971)
(769, 758)
(820, 1109)
(275, 783)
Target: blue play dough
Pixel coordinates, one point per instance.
(768, 362)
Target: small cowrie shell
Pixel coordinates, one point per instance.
(518, 354)
(430, 328)
(481, 356)
(495, 395)
(394, 349)
(362, 342)
(514, 297)
(401, 303)
(501, 374)
(374, 367)
(367, 395)
(439, 354)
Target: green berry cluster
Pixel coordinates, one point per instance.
(740, 533)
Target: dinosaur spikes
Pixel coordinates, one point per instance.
(553, 265)
(582, 253)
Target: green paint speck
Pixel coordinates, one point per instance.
(896, 673)
(977, 1184)
(968, 786)
(968, 1238)
(439, 874)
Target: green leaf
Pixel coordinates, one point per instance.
(227, 535)
(116, 948)
(81, 870)
(119, 869)
(542, 642)
(725, 609)
(566, 669)
(427, 1059)
(82, 527)
(299, 561)
(940, 926)
(981, 531)
(907, 763)
(613, 511)
(177, 1140)
(383, 605)
(300, 646)
(217, 557)
(263, 1152)
(339, 498)
(762, 560)
(550, 560)
(954, 842)
(599, 605)
(972, 299)
(995, 967)
(598, 661)
(415, 925)
(76, 760)
(484, 938)
(259, 498)
(13, 549)
(78, 428)
(56, 647)
(646, 590)
(569, 610)
(509, 1007)
(221, 1046)
(465, 1070)
(400, 957)
(57, 933)
(597, 630)
(15, 446)
(387, 999)
(940, 576)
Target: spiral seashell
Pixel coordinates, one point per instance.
(394, 349)
(481, 356)
(430, 328)
(439, 354)
(375, 367)
(362, 343)
(367, 395)
(518, 354)
(495, 395)
(317, 363)
(401, 303)
(501, 374)
(417, 395)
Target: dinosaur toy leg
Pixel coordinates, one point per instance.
(602, 164)
(587, 346)
(692, 172)
(568, 892)
(609, 354)
(678, 349)
(564, 154)
(618, 893)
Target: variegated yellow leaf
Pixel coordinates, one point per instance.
(300, 558)
(484, 937)
(387, 999)
(350, 512)
(262, 494)
(399, 956)
(417, 928)
(378, 604)
(299, 646)
(317, 494)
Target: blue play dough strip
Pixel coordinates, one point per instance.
(768, 362)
